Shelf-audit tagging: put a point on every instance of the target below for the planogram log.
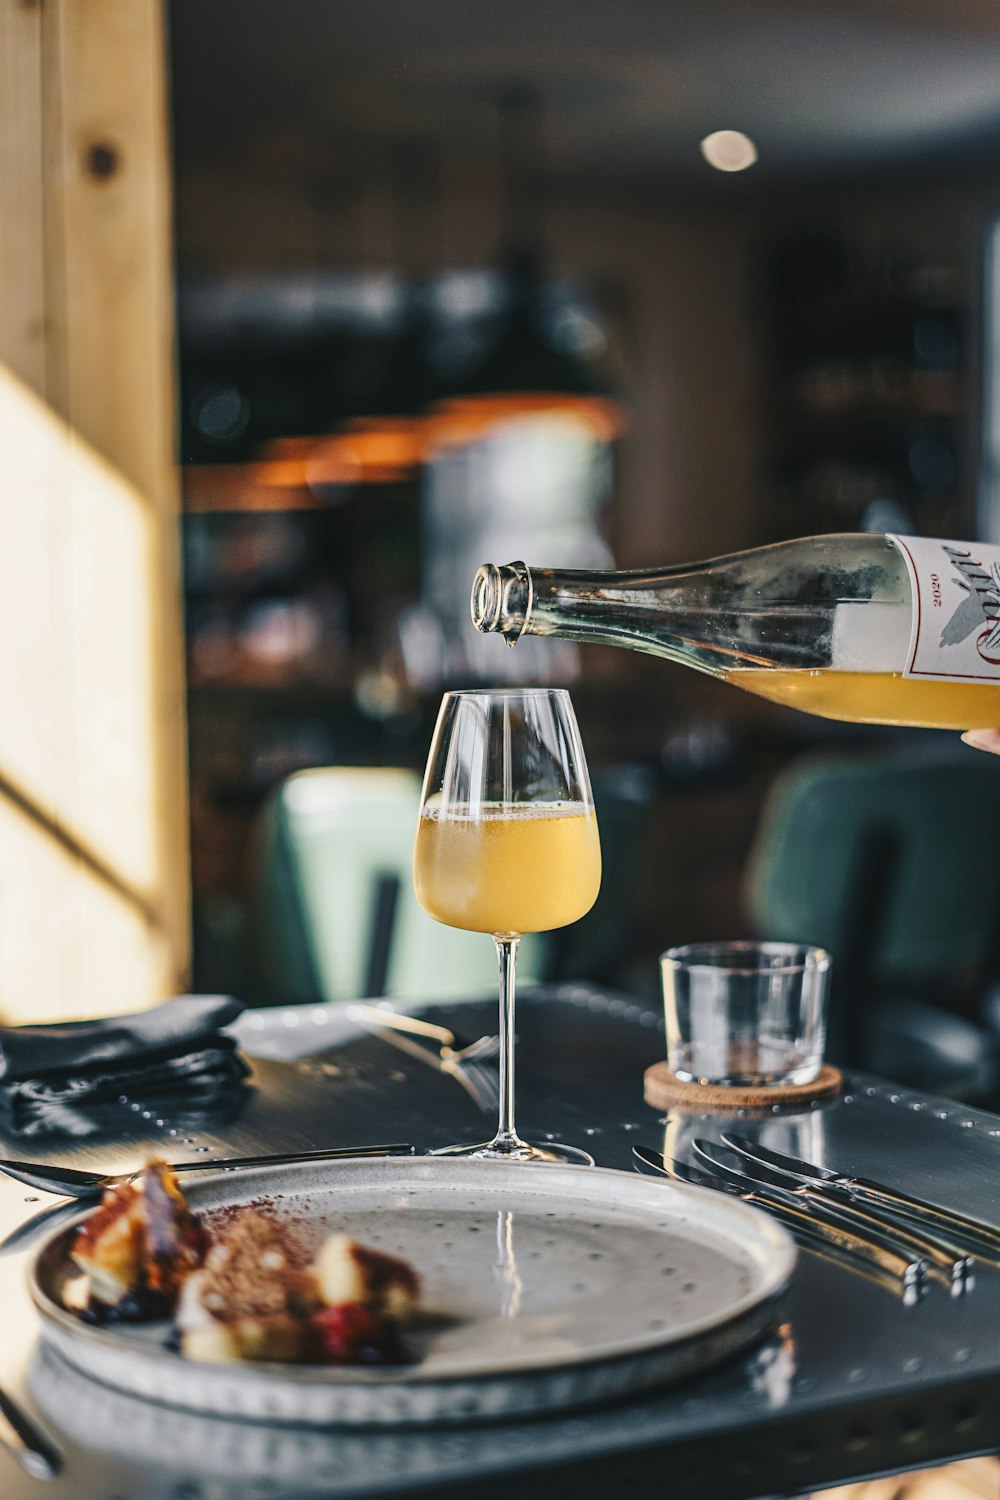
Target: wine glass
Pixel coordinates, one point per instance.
(506, 844)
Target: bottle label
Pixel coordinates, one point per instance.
(955, 624)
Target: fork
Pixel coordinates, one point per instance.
(479, 1080)
(69, 1182)
(466, 1062)
(450, 1048)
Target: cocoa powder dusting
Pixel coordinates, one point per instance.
(257, 1268)
(298, 1240)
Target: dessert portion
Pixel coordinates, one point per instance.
(367, 1298)
(257, 1298)
(250, 1289)
(252, 1299)
(139, 1247)
(348, 1272)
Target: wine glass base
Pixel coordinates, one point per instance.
(520, 1151)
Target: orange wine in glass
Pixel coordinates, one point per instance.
(506, 844)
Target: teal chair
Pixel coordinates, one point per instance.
(335, 917)
(889, 862)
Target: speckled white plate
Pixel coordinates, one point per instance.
(556, 1285)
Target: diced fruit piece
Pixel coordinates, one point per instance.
(347, 1272)
(354, 1334)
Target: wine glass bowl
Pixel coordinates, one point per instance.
(507, 843)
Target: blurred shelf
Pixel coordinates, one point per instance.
(236, 488)
(274, 694)
(816, 421)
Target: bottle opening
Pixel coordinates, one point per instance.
(501, 599)
(487, 598)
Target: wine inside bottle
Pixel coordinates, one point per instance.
(871, 629)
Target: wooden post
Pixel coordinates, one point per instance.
(93, 817)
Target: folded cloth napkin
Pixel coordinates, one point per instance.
(51, 1076)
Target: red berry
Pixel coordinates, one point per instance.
(350, 1334)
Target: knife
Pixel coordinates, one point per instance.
(954, 1264)
(984, 1237)
(827, 1214)
(817, 1234)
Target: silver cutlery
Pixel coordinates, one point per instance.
(24, 1442)
(984, 1237)
(69, 1182)
(451, 1048)
(952, 1264)
(466, 1062)
(824, 1215)
(479, 1080)
(896, 1266)
(30, 1231)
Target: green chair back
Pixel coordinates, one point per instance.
(904, 848)
(336, 917)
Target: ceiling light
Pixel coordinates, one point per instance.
(729, 150)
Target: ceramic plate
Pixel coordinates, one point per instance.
(555, 1286)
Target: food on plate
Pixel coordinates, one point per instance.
(367, 1296)
(245, 1285)
(139, 1246)
(253, 1298)
(258, 1298)
(348, 1272)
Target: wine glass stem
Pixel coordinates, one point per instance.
(507, 958)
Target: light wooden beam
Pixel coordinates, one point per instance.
(93, 815)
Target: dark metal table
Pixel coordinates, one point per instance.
(852, 1382)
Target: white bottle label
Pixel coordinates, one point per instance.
(955, 624)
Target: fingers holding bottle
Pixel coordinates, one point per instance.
(983, 739)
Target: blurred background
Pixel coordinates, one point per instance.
(392, 223)
(438, 284)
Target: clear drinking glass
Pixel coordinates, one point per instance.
(745, 1013)
(506, 844)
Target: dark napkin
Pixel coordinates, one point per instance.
(59, 1077)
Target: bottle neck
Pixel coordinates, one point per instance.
(785, 606)
(616, 608)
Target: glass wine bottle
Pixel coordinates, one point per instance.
(872, 629)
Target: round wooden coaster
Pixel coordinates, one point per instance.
(663, 1090)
